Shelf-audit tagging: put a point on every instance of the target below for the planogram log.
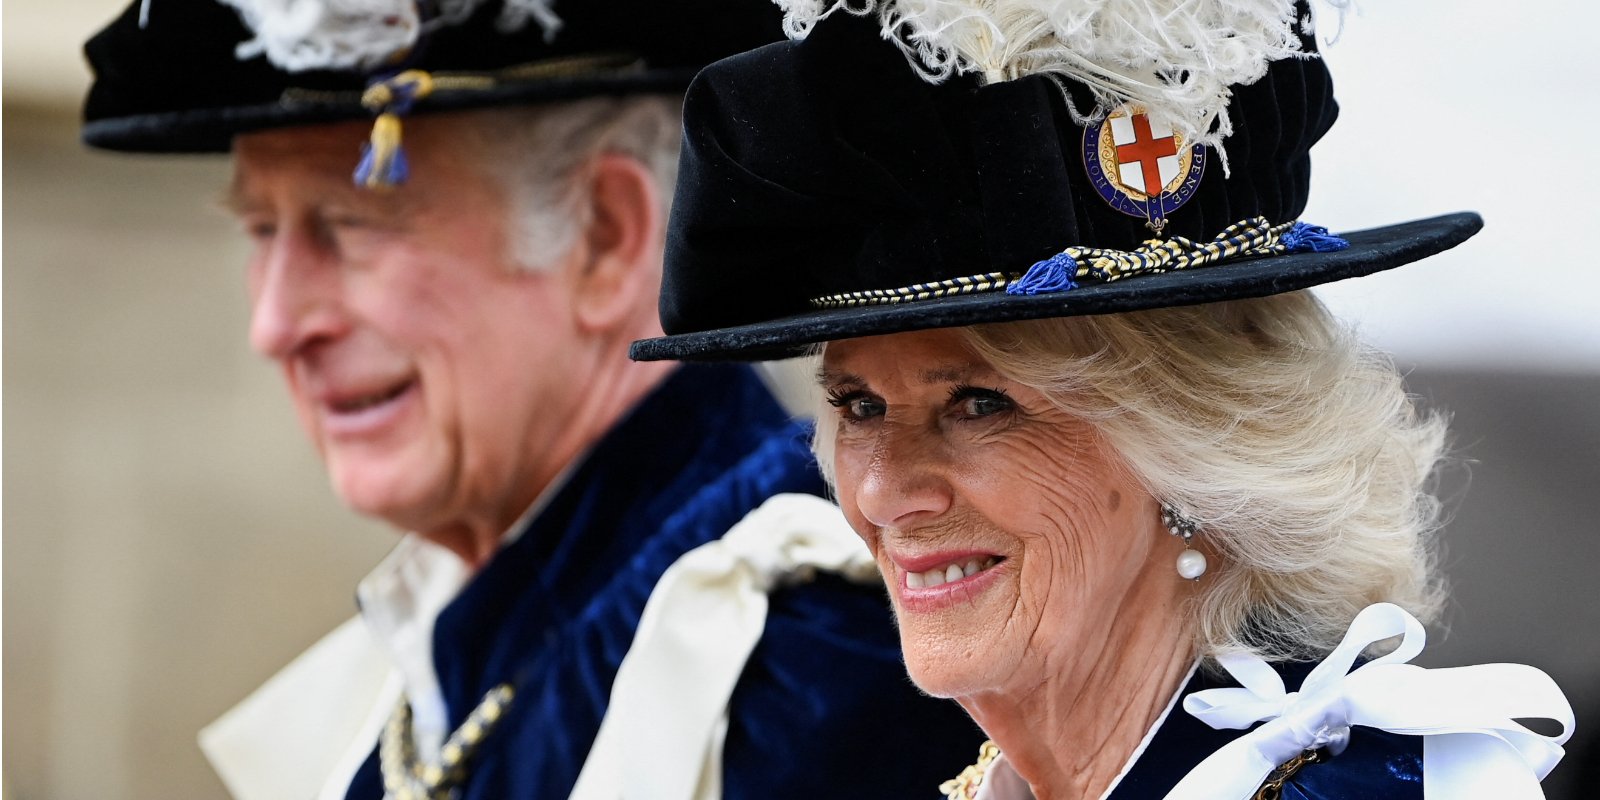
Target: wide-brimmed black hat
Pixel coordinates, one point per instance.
(827, 190)
(170, 77)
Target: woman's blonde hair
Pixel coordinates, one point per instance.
(1295, 448)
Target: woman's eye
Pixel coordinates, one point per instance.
(973, 402)
(855, 406)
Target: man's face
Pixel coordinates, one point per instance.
(425, 365)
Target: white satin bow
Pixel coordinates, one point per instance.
(662, 736)
(1472, 745)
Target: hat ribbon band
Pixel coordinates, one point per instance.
(383, 160)
(1064, 271)
(579, 66)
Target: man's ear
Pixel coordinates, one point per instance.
(623, 243)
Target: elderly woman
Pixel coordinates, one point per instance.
(1107, 454)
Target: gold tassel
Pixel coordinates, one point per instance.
(383, 160)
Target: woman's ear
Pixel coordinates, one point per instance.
(624, 242)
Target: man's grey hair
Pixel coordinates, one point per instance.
(540, 154)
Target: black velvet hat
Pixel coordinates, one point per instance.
(827, 190)
(170, 77)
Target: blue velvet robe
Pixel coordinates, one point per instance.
(823, 704)
(1377, 765)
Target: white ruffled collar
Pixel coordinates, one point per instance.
(1472, 744)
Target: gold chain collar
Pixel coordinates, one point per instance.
(406, 777)
(965, 786)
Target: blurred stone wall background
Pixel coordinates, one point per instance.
(169, 540)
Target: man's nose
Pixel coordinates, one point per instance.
(295, 294)
(906, 480)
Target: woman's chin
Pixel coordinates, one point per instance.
(948, 667)
(938, 685)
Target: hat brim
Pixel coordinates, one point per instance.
(211, 130)
(1370, 251)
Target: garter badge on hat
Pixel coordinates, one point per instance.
(1141, 166)
(896, 169)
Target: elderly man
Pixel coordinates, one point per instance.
(451, 307)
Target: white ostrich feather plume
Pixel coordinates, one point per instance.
(298, 35)
(1175, 58)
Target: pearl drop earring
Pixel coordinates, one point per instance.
(1191, 562)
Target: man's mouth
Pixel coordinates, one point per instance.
(359, 403)
(950, 572)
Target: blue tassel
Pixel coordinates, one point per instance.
(1053, 274)
(1311, 238)
(383, 161)
(382, 171)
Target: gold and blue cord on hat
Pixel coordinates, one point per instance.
(1064, 271)
(390, 97)
(383, 159)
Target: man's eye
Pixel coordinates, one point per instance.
(855, 406)
(974, 402)
(259, 230)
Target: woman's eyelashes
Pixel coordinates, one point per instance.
(855, 405)
(975, 402)
(963, 402)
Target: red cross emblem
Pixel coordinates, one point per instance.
(1146, 152)
(1141, 167)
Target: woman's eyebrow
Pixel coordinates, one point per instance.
(954, 373)
(830, 377)
(946, 374)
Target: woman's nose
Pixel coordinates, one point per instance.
(905, 481)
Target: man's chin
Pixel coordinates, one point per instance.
(398, 499)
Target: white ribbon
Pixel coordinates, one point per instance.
(662, 736)
(1472, 747)
(304, 733)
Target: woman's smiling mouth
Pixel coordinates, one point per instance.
(949, 573)
(937, 580)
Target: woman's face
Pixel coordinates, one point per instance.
(1013, 542)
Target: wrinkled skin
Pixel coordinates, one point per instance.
(1072, 642)
(443, 384)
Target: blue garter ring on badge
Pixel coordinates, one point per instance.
(1140, 167)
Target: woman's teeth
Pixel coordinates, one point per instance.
(939, 576)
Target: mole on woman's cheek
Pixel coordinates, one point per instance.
(1116, 500)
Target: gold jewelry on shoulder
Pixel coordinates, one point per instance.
(1273, 788)
(965, 786)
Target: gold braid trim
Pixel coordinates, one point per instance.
(564, 67)
(1251, 237)
(1246, 238)
(918, 291)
